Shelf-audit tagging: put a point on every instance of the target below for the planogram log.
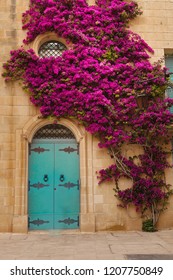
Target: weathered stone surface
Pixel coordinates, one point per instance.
(18, 120)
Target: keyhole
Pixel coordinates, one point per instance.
(45, 177)
(61, 178)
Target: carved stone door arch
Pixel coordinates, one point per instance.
(24, 138)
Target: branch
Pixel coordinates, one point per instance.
(121, 166)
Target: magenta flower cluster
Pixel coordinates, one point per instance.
(97, 80)
(144, 192)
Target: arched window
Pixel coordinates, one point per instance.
(51, 48)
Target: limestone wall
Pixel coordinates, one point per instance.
(99, 206)
(155, 25)
(12, 108)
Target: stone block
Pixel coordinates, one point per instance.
(101, 221)
(98, 199)
(5, 223)
(87, 222)
(20, 224)
(98, 208)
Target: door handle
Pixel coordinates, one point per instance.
(61, 178)
(46, 178)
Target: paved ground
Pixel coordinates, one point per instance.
(72, 245)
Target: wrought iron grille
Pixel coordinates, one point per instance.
(51, 48)
(54, 131)
(169, 93)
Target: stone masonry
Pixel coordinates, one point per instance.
(19, 119)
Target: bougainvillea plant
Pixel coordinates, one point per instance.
(97, 80)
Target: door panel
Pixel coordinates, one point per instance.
(41, 179)
(66, 197)
(53, 199)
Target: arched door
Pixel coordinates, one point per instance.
(53, 189)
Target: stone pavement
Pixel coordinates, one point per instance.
(73, 245)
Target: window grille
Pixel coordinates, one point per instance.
(54, 131)
(169, 65)
(51, 48)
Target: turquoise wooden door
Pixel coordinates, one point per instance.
(53, 189)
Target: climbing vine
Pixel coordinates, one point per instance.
(97, 80)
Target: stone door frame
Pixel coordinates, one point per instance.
(23, 139)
